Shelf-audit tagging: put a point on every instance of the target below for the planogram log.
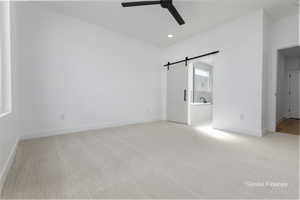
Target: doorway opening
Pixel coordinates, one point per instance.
(200, 104)
(288, 91)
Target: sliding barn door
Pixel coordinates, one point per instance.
(177, 97)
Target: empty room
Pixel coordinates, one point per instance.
(166, 99)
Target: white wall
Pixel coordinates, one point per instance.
(78, 76)
(237, 69)
(284, 33)
(9, 124)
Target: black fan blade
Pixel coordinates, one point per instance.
(140, 3)
(176, 15)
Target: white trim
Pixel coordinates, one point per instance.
(273, 120)
(6, 76)
(8, 165)
(4, 114)
(62, 131)
(258, 133)
(264, 133)
(299, 21)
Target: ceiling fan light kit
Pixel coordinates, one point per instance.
(168, 4)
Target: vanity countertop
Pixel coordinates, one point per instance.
(199, 104)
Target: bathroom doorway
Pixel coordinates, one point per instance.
(200, 109)
(288, 91)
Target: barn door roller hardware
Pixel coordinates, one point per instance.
(187, 59)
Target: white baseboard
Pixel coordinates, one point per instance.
(61, 131)
(243, 132)
(8, 165)
(265, 132)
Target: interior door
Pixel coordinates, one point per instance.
(294, 94)
(177, 97)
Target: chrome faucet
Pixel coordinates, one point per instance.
(204, 100)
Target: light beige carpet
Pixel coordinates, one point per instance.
(156, 160)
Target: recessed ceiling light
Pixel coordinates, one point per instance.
(170, 36)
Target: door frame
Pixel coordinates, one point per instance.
(274, 89)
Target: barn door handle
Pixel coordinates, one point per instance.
(184, 95)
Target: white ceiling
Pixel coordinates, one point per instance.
(153, 24)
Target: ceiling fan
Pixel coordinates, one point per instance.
(168, 4)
